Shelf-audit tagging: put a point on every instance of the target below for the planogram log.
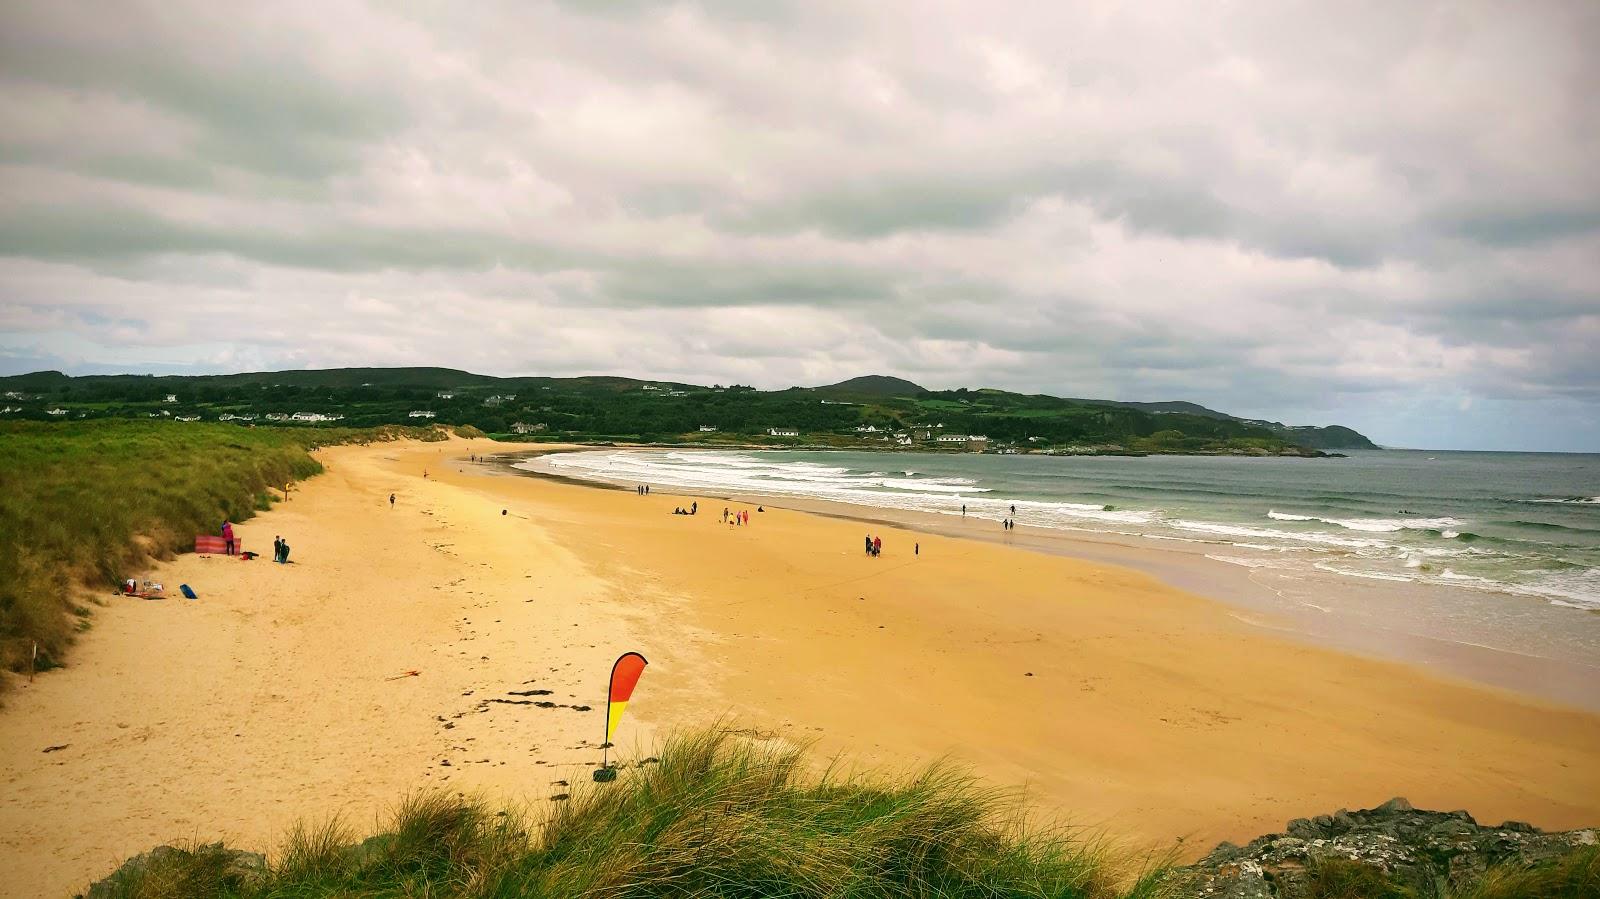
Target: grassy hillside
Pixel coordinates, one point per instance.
(605, 408)
(87, 503)
(717, 817)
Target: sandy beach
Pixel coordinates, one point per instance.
(1118, 701)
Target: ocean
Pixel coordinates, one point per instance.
(1520, 524)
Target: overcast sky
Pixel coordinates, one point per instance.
(1385, 215)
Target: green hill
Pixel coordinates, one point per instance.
(866, 410)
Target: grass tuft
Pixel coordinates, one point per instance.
(718, 817)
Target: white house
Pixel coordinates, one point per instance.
(445, 395)
(171, 398)
(55, 412)
(783, 432)
(708, 429)
(314, 416)
(187, 418)
(866, 429)
(523, 427)
(277, 416)
(421, 413)
(14, 395)
(10, 409)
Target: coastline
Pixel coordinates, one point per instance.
(1426, 626)
(1153, 715)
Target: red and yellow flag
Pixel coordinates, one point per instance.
(624, 675)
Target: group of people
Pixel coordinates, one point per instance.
(694, 509)
(733, 519)
(280, 550)
(642, 489)
(874, 546)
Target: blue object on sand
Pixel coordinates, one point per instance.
(188, 593)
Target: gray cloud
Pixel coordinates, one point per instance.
(1311, 210)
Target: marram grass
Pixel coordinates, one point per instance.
(719, 816)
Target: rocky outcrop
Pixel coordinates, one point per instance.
(1425, 852)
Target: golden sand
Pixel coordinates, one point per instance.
(1120, 703)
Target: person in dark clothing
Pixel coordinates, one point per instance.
(391, 500)
(277, 549)
(916, 549)
(869, 544)
(283, 555)
(694, 508)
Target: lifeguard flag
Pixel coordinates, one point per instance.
(624, 675)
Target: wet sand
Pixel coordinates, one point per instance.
(1119, 701)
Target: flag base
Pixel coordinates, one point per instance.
(605, 775)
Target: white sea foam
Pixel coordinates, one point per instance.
(1372, 525)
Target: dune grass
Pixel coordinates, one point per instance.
(87, 503)
(718, 816)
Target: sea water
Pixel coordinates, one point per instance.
(1521, 524)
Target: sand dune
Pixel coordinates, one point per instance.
(280, 694)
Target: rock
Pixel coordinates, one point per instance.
(1424, 851)
(209, 865)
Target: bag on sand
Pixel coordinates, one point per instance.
(187, 592)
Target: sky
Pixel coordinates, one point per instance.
(1384, 215)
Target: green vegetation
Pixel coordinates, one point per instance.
(87, 503)
(600, 409)
(717, 817)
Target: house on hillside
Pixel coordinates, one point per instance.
(187, 418)
(10, 409)
(867, 429)
(171, 398)
(277, 416)
(708, 429)
(57, 412)
(445, 395)
(975, 442)
(522, 427)
(314, 416)
(783, 432)
(926, 432)
(419, 413)
(497, 399)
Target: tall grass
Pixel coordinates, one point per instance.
(718, 817)
(87, 503)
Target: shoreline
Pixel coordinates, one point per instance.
(1388, 624)
(1154, 716)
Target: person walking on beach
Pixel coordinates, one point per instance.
(869, 544)
(391, 500)
(877, 546)
(916, 549)
(963, 510)
(1013, 510)
(227, 537)
(283, 552)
